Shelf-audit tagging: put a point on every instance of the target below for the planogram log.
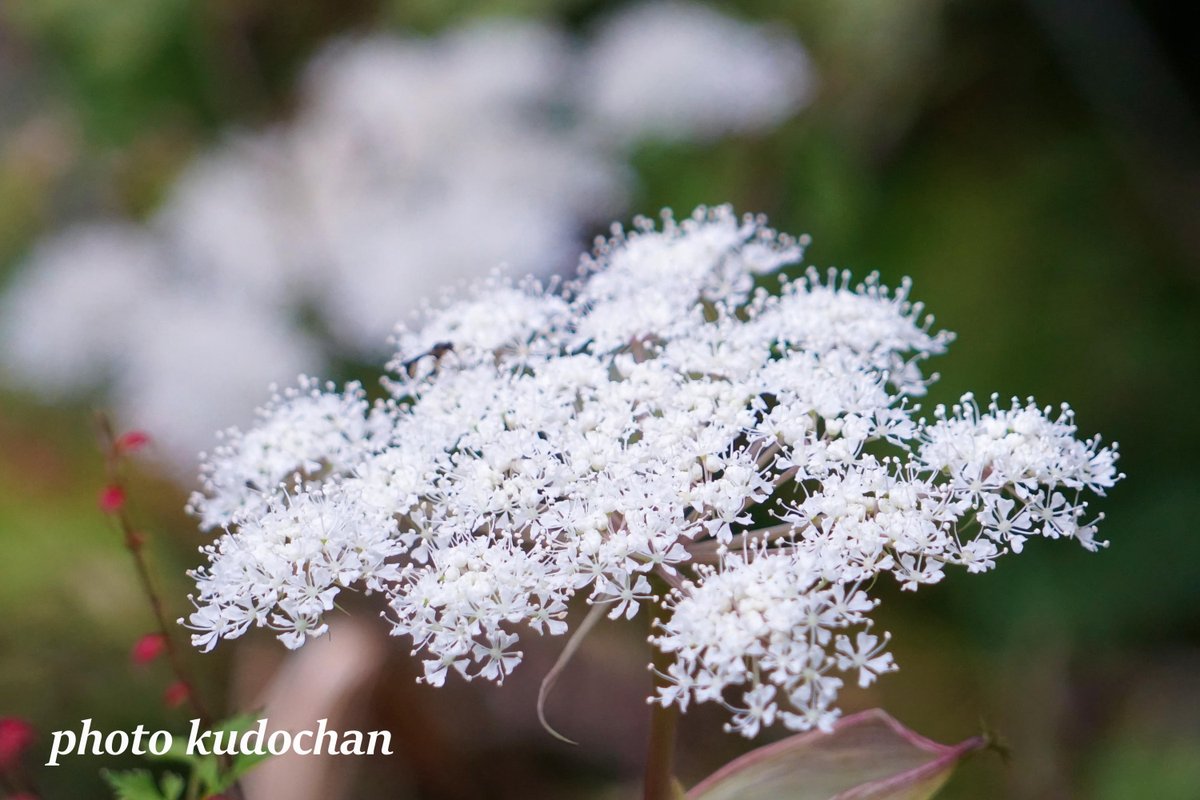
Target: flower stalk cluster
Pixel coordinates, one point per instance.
(113, 502)
(682, 410)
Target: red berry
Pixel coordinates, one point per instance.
(132, 441)
(148, 648)
(112, 499)
(15, 737)
(176, 694)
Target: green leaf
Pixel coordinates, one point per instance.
(172, 785)
(135, 784)
(867, 756)
(208, 772)
(206, 769)
(139, 784)
(239, 724)
(176, 752)
(242, 763)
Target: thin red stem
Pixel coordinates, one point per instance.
(135, 546)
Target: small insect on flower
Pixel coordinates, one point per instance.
(693, 411)
(436, 352)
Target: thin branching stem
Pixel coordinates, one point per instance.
(135, 546)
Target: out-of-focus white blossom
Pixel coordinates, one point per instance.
(430, 162)
(182, 343)
(235, 224)
(99, 307)
(665, 418)
(412, 166)
(64, 319)
(674, 70)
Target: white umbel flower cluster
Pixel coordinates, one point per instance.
(682, 427)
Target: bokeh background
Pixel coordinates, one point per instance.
(1033, 166)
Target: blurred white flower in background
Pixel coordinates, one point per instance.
(234, 223)
(431, 162)
(102, 308)
(682, 71)
(64, 319)
(184, 346)
(411, 166)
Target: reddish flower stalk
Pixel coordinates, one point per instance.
(113, 502)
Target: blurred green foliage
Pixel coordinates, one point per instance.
(950, 142)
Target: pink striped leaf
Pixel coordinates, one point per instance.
(867, 756)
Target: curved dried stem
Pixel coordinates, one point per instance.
(585, 627)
